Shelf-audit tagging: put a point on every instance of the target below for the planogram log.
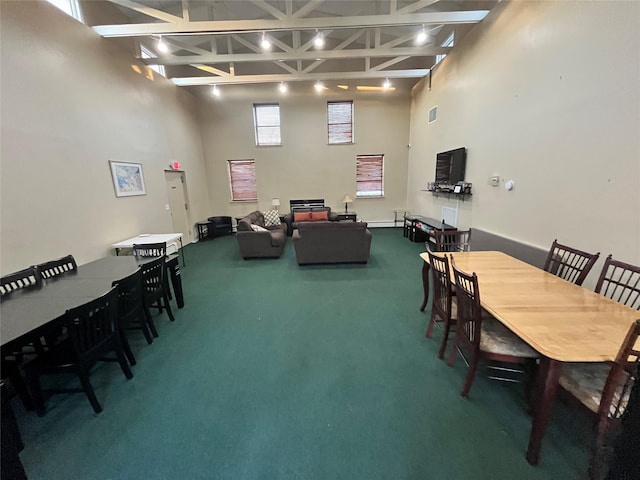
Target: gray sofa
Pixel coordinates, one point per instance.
(267, 244)
(332, 242)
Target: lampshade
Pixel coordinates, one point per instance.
(275, 202)
(347, 198)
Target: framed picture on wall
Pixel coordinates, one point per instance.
(128, 179)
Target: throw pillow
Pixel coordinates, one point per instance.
(258, 228)
(320, 216)
(272, 217)
(301, 216)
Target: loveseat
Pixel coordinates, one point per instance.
(257, 240)
(332, 242)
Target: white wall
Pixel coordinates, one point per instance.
(305, 166)
(72, 101)
(546, 94)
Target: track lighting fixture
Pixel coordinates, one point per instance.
(265, 43)
(318, 41)
(422, 36)
(162, 47)
(215, 91)
(283, 87)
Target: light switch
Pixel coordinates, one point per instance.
(166, 207)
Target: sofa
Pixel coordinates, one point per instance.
(332, 242)
(262, 242)
(307, 211)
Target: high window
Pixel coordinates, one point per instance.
(70, 7)
(340, 122)
(146, 53)
(266, 122)
(242, 180)
(447, 43)
(370, 176)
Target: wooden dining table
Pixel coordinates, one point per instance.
(562, 321)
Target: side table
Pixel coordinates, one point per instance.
(341, 217)
(203, 230)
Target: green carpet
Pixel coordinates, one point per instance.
(275, 371)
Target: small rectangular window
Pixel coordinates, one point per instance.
(370, 176)
(266, 122)
(147, 53)
(70, 7)
(447, 43)
(242, 180)
(340, 122)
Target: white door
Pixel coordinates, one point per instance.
(179, 204)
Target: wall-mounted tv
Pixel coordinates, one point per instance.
(450, 166)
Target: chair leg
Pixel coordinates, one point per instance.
(445, 339)
(471, 374)
(88, 390)
(127, 348)
(432, 322)
(168, 307)
(454, 353)
(122, 360)
(149, 319)
(18, 383)
(36, 391)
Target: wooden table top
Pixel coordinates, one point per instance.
(562, 321)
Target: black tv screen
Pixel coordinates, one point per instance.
(450, 166)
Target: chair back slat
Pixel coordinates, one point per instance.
(93, 324)
(129, 297)
(469, 308)
(150, 249)
(453, 240)
(26, 278)
(441, 284)
(153, 279)
(55, 268)
(620, 281)
(569, 263)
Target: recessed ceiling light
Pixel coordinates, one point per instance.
(265, 43)
(318, 86)
(386, 84)
(283, 87)
(215, 91)
(421, 38)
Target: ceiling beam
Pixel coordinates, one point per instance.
(298, 77)
(298, 55)
(151, 12)
(220, 27)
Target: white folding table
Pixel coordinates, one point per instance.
(145, 238)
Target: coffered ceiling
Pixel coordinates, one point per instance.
(218, 42)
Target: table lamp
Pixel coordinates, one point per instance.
(347, 199)
(275, 202)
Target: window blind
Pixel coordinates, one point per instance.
(369, 176)
(340, 122)
(266, 120)
(242, 178)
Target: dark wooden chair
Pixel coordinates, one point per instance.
(444, 307)
(92, 332)
(569, 263)
(453, 240)
(219, 226)
(54, 268)
(620, 281)
(154, 290)
(26, 278)
(145, 250)
(481, 335)
(604, 388)
(131, 312)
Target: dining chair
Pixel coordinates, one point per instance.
(620, 281)
(443, 307)
(569, 263)
(130, 311)
(604, 388)
(453, 240)
(154, 290)
(481, 335)
(54, 268)
(25, 278)
(149, 249)
(92, 332)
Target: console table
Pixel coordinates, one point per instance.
(420, 229)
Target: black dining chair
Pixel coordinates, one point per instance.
(92, 332)
(25, 278)
(620, 281)
(131, 312)
(569, 263)
(152, 250)
(55, 268)
(154, 290)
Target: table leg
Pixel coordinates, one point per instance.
(182, 250)
(425, 284)
(546, 387)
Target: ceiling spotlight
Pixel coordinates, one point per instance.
(422, 36)
(265, 43)
(318, 86)
(215, 91)
(162, 47)
(283, 87)
(318, 41)
(386, 83)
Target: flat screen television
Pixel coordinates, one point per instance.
(450, 166)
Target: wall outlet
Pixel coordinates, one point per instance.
(166, 207)
(494, 181)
